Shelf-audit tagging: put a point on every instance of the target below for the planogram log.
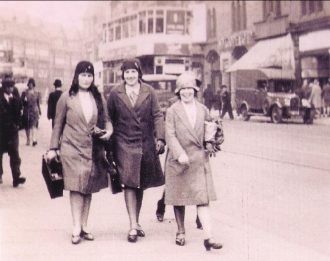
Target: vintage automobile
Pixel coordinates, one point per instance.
(269, 92)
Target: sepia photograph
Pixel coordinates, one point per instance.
(165, 130)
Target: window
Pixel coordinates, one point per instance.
(133, 26)
(211, 15)
(142, 22)
(311, 6)
(125, 27)
(150, 22)
(159, 21)
(238, 15)
(117, 30)
(271, 8)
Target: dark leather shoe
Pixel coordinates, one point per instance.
(132, 235)
(86, 235)
(20, 180)
(208, 245)
(140, 232)
(34, 143)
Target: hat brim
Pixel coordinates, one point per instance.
(177, 90)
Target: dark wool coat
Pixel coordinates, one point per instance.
(193, 184)
(84, 168)
(10, 120)
(52, 101)
(135, 131)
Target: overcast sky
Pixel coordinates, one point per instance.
(68, 13)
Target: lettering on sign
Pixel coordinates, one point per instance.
(238, 39)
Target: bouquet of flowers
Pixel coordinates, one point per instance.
(214, 134)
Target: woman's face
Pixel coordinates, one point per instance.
(85, 80)
(131, 77)
(187, 94)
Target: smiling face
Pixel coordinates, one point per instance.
(131, 77)
(187, 94)
(85, 80)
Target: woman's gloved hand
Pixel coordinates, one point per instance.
(52, 154)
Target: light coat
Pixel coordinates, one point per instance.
(84, 170)
(136, 130)
(193, 184)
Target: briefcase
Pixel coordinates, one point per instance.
(53, 176)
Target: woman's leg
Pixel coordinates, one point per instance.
(139, 199)
(131, 206)
(27, 131)
(77, 203)
(85, 211)
(179, 212)
(203, 212)
(34, 134)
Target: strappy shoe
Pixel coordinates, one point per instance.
(180, 239)
(140, 232)
(86, 235)
(75, 239)
(132, 235)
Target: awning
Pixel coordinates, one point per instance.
(265, 74)
(314, 41)
(270, 53)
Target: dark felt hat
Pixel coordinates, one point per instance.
(58, 83)
(31, 81)
(131, 64)
(84, 67)
(7, 81)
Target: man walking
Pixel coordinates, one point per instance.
(53, 99)
(226, 103)
(10, 119)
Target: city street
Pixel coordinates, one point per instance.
(272, 183)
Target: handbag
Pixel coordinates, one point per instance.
(113, 175)
(53, 175)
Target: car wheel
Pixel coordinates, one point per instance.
(245, 113)
(276, 115)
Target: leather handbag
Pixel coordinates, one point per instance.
(53, 175)
(113, 175)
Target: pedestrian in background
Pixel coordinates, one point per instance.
(187, 168)
(326, 98)
(226, 102)
(208, 97)
(10, 120)
(31, 111)
(80, 112)
(53, 99)
(315, 97)
(137, 140)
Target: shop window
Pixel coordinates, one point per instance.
(238, 15)
(271, 8)
(159, 21)
(142, 22)
(159, 69)
(310, 7)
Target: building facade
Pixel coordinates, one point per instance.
(41, 51)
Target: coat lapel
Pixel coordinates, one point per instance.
(180, 111)
(199, 126)
(143, 94)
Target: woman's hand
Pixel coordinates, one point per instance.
(183, 159)
(210, 149)
(160, 147)
(106, 135)
(52, 154)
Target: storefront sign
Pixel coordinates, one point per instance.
(171, 49)
(237, 39)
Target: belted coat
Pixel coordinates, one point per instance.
(136, 129)
(193, 184)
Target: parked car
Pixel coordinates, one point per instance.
(269, 92)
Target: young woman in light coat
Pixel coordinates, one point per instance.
(188, 178)
(78, 112)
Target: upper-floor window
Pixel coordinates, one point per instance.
(311, 6)
(238, 15)
(142, 22)
(159, 21)
(150, 22)
(212, 21)
(271, 8)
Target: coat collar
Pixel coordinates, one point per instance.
(143, 94)
(77, 103)
(196, 132)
